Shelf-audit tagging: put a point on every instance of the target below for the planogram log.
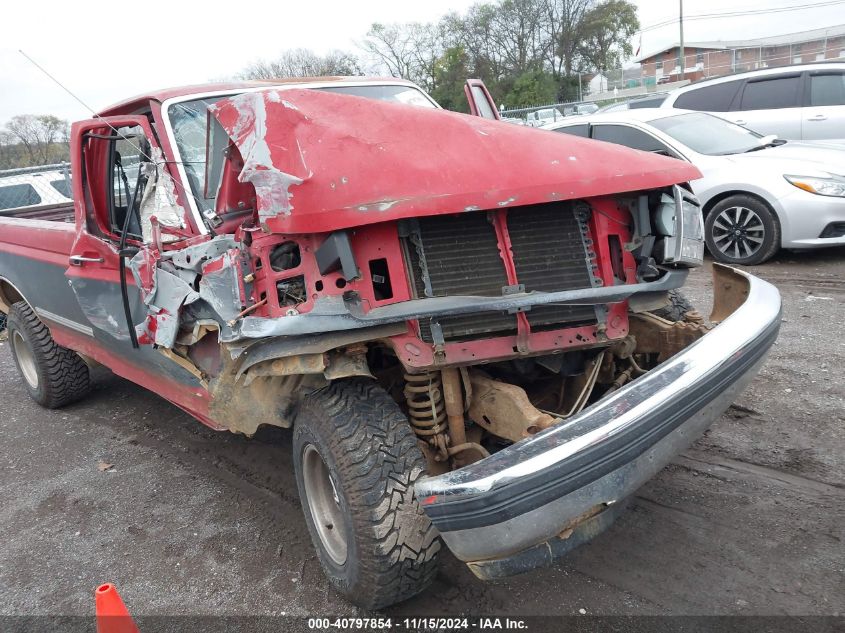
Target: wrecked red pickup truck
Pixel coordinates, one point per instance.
(473, 328)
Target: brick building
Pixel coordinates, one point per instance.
(712, 59)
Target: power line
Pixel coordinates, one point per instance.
(166, 173)
(746, 12)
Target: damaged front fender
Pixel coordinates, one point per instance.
(206, 276)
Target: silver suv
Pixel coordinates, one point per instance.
(804, 102)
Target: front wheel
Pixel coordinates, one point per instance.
(357, 460)
(742, 230)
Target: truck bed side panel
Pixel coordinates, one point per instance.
(33, 258)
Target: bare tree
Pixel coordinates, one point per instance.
(563, 23)
(428, 47)
(7, 150)
(44, 137)
(302, 62)
(474, 32)
(393, 46)
(517, 33)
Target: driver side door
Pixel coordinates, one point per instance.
(112, 165)
(111, 161)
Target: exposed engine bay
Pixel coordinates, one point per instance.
(464, 414)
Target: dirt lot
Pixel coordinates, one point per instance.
(749, 521)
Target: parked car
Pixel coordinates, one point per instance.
(579, 109)
(801, 102)
(651, 101)
(539, 118)
(27, 189)
(491, 353)
(758, 194)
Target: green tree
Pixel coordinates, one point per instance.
(450, 73)
(534, 87)
(607, 31)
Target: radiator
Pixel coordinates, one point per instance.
(459, 255)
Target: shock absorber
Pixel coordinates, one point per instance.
(426, 410)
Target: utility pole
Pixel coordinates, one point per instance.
(681, 22)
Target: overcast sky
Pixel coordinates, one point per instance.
(105, 51)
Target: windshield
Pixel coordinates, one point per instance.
(708, 134)
(189, 120)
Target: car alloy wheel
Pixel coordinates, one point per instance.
(738, 232)
(324, 504)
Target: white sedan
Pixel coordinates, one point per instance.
(758, 194)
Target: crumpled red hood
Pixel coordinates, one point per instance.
(321, 161)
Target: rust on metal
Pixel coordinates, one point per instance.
(246, 311)
(454, 401)
(427, 412)
(503, 409)
(656, 335)
(730, 292)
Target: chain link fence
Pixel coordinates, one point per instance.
(34, 188)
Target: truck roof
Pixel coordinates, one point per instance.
(141, 101)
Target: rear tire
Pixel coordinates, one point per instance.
(52, 375)
(357, 460)
(742, 230)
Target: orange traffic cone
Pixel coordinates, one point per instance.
(112, 616)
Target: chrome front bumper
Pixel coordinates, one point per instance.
(541, 489)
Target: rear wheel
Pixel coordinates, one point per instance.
(356, 462)
(742, 230)
(53, 375)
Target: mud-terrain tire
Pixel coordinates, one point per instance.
(750, 216)
(53, 376)
(677, 308)
(357, 460)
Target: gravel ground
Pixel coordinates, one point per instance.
(748, 521)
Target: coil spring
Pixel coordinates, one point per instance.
(426, 409)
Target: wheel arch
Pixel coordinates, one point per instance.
(9, 295)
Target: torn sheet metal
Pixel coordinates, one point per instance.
(323, 162)
(272, 176)
(167, 283)
(220, 285)
(164, 293)
(159, 199)
(196, 256)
